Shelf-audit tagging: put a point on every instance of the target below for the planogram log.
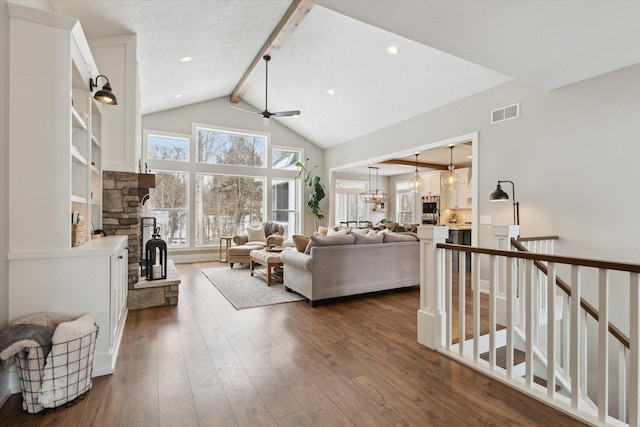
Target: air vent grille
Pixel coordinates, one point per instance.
(505, 113)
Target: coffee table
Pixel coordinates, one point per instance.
(270, 262)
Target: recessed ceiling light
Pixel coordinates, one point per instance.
(186, 59)
(393, 50)
(331, 92)
(178, 95)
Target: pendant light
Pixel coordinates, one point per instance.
(416, 184)
(373, 196)
(450, 179)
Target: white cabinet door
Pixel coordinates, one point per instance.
(119, 271)
(458, 198)
(431, 183)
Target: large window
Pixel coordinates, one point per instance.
(225, 205)
(349, 204)
(216, 182)
(405, 201)
(168, 148)
(230, 148)
(285, 204)
(168, 203)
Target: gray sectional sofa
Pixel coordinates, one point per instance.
(338, 266)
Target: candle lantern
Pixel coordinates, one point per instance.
(156, 255)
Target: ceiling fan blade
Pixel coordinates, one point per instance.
(246, 111)
(286, 113)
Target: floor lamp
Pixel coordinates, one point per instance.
(500, 194)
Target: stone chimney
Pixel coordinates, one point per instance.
(121, 213)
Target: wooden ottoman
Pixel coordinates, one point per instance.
(270, 260)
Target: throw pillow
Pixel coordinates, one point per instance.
(256, 234)
(329, 241)
(363, 240)
(300, 242)
(362, 231)
(323, 230)
(338, 232)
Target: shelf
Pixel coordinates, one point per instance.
(77, 121)
(77, 157)
(78, 199)
(94, 140)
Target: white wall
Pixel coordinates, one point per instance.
(573, 155)
(218, 112)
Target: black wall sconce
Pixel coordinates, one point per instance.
(105, 95)
(500, 194)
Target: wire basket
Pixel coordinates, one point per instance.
(57, 375)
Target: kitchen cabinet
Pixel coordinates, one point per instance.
(55, 168)
(431, 183)
(460, 196)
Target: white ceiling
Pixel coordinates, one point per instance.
(448, 50)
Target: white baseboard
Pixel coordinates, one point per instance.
(9, 383)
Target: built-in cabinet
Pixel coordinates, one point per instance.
(55, 168)
(460, 196)
(431, 183)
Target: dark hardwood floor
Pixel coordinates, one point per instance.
(354, 362)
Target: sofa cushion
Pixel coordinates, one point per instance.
(400, 237)
(363, 240)
(300, 242)
(256, 233)
(340, 231)
(329, 241)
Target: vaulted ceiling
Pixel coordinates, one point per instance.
(447, 50)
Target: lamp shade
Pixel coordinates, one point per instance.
(104, 95)
(416, 184)
(499, 194)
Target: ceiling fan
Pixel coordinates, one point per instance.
(266, 114)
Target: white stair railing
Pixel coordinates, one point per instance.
(560, 357)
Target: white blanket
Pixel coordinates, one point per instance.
(67, 371)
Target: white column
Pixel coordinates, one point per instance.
(503, 235)
(431, 320)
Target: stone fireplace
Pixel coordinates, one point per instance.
(122, 193)
(121, 213)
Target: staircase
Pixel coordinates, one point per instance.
(530, 328)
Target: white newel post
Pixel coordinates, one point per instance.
(503, 235)
(431, 316)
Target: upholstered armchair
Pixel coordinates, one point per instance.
(257, 237)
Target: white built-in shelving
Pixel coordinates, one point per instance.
(55, 168)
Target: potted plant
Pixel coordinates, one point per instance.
(313, 183)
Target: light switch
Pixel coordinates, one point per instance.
(486, 219)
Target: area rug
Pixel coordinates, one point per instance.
(244, 291)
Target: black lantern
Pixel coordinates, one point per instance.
(156, 256)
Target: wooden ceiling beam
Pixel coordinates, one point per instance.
(423, 164)
(297, 11)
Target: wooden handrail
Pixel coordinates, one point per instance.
(534, 239)
(591, 310)
(585, 262)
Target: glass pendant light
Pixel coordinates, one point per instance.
(416, 184)
(450, 180)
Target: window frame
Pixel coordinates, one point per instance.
(194, 168)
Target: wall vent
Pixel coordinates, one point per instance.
(505, 113)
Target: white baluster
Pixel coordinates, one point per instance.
(575, 368)
(448, 299)
(493, 273)
(551, 331)
(603, 345)
(530, 311)
(462, 297)
(475, 272)
(634, 359)
(566, 330)
(511, 294)
(623, 369)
